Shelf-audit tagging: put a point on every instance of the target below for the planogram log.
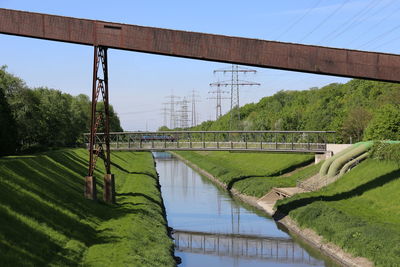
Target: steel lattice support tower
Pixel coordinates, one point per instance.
(99, 146)
(164, 112)
(172, 111)
(218, 97)
(235, 103)
(195, 99)
(184, 113)
(235, 83)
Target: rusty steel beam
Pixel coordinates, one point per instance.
(100, 119)
(244, 51)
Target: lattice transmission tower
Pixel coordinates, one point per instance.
(183, 113)
(173, 116)
(235, 83)
(165, 112)
(195, 99)
(218, 92)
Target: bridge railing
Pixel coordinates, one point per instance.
(302, 141)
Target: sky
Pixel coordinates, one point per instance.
(140, 83)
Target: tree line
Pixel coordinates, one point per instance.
(39, 118)
(357, 110)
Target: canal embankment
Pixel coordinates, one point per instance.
(215, 229)
(359, 212)
(44, 219)
(246, 172)
(210, 166)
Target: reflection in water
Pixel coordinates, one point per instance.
(283, 250)
(200, 212)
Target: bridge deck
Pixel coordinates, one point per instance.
(222, 146)
(267, 141)
(212, 47)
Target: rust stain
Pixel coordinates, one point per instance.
(219, 48)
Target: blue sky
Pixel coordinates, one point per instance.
(140, 82)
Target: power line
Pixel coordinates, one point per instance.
(386, 43)
(183, 113)
(164, 112)
(218, 97)
(395, 11)
(172, 111)
(343, 28)
(195, 99)
(298, 20)
(235, 84)
(138, 112)
(325, 20)
(379, 36)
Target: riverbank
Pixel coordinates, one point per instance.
(309, 235)
(246, 172)
(359, 212)
(44, 219)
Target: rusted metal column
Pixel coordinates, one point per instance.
(109, 181)
(100, 85)
(90, 180)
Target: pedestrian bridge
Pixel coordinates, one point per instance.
(279, 249)
(269, 141)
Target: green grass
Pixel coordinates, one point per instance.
(359, 212)
(44, 219)
(253, 174)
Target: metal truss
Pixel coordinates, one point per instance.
(100, 121)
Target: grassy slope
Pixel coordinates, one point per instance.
(360, 212)
(44, 219)
(252, 173)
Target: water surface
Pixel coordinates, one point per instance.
(213, 229)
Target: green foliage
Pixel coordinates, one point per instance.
(8, 131)
(385, 125)
(259, 186)
(45, 117)
(355, 123)
(252, 173)
(163, 128)
(61, 228)
(359, 212)
(386, 151)
(115, 125)
(346, 108)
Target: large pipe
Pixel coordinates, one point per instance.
(338, 163)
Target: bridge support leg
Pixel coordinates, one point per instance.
(99, 144)
(322, 156)
(109, 188)
(90, 187)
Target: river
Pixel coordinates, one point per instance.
(213, 229)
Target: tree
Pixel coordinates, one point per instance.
(385, 124)
(163, 128)
(8, 133)
(44, 117)
(355, 123)
(115, 124)
(80, 110)
(9, 82)
(55, 117)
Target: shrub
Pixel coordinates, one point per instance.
(386, 151)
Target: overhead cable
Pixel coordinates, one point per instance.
(298, 20)
(369, 29)
(386, 43)
(325, 20)
(349, 23)
(379, 36)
